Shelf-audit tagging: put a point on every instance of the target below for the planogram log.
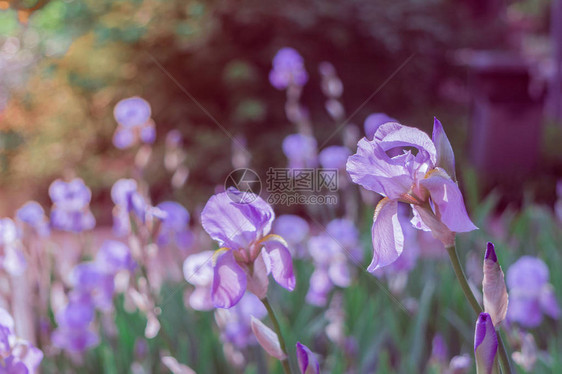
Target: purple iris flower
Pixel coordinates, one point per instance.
(198, 270)
(300, 150)
(74, 331)
(373, 122)
(132, 112)
(308, 363)
(33, 214)
(330, 253)
(247, 254)
(485, 344)
(334, 157)
(114, 256)
(127, 200)
(71, 211)
(12, 259)
(91, 278)
(288, 69)
(175, 225)
(235, 322)
(133, 117)
(530, 293)
(422, 175)
(18, 355)
(294, 230)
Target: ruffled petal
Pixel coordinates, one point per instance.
(388, 239)
(393, 135)
(373, 169)
(236, 225)
(448, 198)
(229, 280)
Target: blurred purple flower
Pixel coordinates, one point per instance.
(425, 180)
(373, 122)
(329, 253)
(288, 69)
(114, 256)
(175, 226)
(241, 229)
(294, 230)
(91, 279)
(300, 151)
(198, 270)
(334, 157)
(133, 111)
(439, 349)
(308, 364)
(127, 199)
(18, 355)
(485, 344)
(32, 213)
(71, 211)
(133, 117)
(12, 259)
(530, 293)
(235, 323)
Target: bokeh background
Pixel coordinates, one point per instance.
(491, 71)
(66, 63)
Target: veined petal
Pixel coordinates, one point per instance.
(448, 198)
(392, 135)
(485, 344)
(445, 155)
(280, 260)
(308, 364)
(373, 169)
(267, 339)
(229, 281)
(493, 287)
(235, 225)
(388, 239)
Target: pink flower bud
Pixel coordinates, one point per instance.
(267, 339)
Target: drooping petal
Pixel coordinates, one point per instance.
(280, 259)
(493, 287)
(267, 338)
(485, 344)
(229, 280)
(308, 364)
(448, 198)
(445, 155)
(388, 239)
(373, 169)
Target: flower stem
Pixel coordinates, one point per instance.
(271, 314)
(506, 367)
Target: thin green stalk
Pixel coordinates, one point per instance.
(277, 328)
(506, 367)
